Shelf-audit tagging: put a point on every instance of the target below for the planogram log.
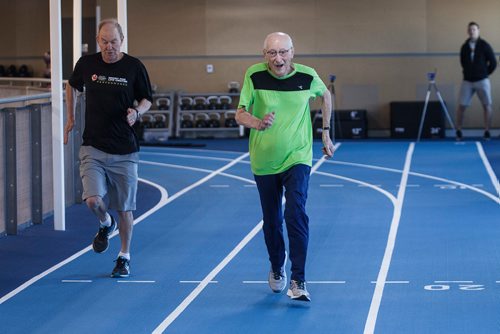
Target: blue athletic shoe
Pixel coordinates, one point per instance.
(101, 239)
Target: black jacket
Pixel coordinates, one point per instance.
(484, 61)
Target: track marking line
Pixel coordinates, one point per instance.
(197, 282)
(334, 185)
(127, 281)
(195, 293)
(391, 241)
(392, 282)
(219, 186)
(487, 165)
(425, 176)
(164, 200)
(76, 281)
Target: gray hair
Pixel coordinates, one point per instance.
(113, 22)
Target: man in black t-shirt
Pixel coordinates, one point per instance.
(109, 156)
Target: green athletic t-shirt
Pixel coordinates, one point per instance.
(289, 140)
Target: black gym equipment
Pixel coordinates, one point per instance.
(214, 121)
(163, 103)
(212, 102)
(225, 102)
(11, 71)
(200, 103)
(201, 120)
(187, 120)
(160, 121)
(230, 120)
(147, 121)
(186, 103)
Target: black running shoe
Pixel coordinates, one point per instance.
(487, 135)
(101, 243)
(122, 268)
(459, 135)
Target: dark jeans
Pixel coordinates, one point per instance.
(295, 182)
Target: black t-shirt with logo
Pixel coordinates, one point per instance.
(110, 89)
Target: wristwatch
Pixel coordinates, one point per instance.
(138, 114)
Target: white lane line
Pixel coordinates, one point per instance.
(136, 282)
(491, 173)
(425, 176)
(76, 281)
(308, 282)
(371, 185)
(249, 185)
(410, 185)
(254, 282)
(367, 185)
(392, 282)
(391, 241)
(219, 186)
(164, 200)
(197, 282)
(479, 185)
(203, 284)
(331, 185)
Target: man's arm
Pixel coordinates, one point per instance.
(326, 111)
(490, 59)
(134, 114)
(243, 117)
(70, 111)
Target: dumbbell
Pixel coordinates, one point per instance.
(186, 103)
(213, 103)
(147, 121)
(234, 86)
(160, 121)
(23, 71)
(163, 103)
(230, 120)
(12, 71)
(214, 121)
(2, 71)
(201, 120)
(187, 120)
(225, 102)
(200, 103)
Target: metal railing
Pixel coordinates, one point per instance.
(26, 176)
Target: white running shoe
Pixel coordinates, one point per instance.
(298, 291)
(277, 280)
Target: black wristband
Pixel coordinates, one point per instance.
(137, 113)
(326, 128)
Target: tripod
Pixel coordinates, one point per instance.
(431, 76)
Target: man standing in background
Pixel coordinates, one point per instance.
(478, 62)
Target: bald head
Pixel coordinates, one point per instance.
(278, 40)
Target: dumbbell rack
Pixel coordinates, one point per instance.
(216, 132)
(159, 120)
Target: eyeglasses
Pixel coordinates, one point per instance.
(274, 53)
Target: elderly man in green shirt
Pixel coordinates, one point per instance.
(274, 104)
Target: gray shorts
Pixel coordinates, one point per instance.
(482, 88)
(111, 174)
